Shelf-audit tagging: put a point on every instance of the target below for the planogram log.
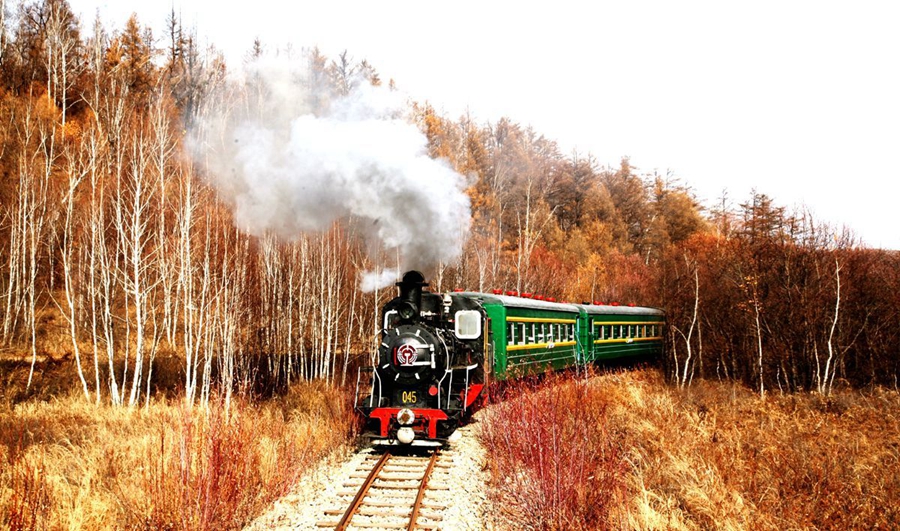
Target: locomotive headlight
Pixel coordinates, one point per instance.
(406, 417)
(406, 435)
(407, 311)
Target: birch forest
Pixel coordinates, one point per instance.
(120, 255)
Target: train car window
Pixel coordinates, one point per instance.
(511, 333)
(522, 334)
(468, 324)
(391, 319)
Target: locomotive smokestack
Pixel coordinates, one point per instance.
(411, 288)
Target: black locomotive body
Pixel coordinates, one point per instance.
(430, 367)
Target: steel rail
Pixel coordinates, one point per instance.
(421, 494)
(361, 494)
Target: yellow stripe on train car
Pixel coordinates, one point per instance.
(627, 340)
(541, 345)
(538, 320)
(623, 323)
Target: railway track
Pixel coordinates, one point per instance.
(390, 491)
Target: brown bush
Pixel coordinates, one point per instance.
(553, 461)
(68, 464)
(628, 451)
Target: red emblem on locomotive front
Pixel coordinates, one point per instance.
(407, 354)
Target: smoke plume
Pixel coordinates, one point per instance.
(293, 159)
(372, 280)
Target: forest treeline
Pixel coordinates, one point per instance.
(116, 253)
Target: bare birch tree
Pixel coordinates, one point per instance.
(63, 63)
(688, 337)
(35, 168)
(79, 159)
(531, 225)
(133, 200)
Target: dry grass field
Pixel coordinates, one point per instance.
(67, 464)
(628, 451)
(621, 450)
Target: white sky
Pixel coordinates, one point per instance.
(797, 99)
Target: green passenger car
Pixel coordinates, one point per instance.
(611, 332)
(529, 336)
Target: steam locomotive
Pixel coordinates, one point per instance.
(439, 351)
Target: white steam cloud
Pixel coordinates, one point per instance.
(290, 171)
(372, 280)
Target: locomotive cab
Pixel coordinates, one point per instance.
(429, 370)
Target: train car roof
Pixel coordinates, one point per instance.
(520, 302)
(534, 304)
(608, 309)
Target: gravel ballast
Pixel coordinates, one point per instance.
(465, 503)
